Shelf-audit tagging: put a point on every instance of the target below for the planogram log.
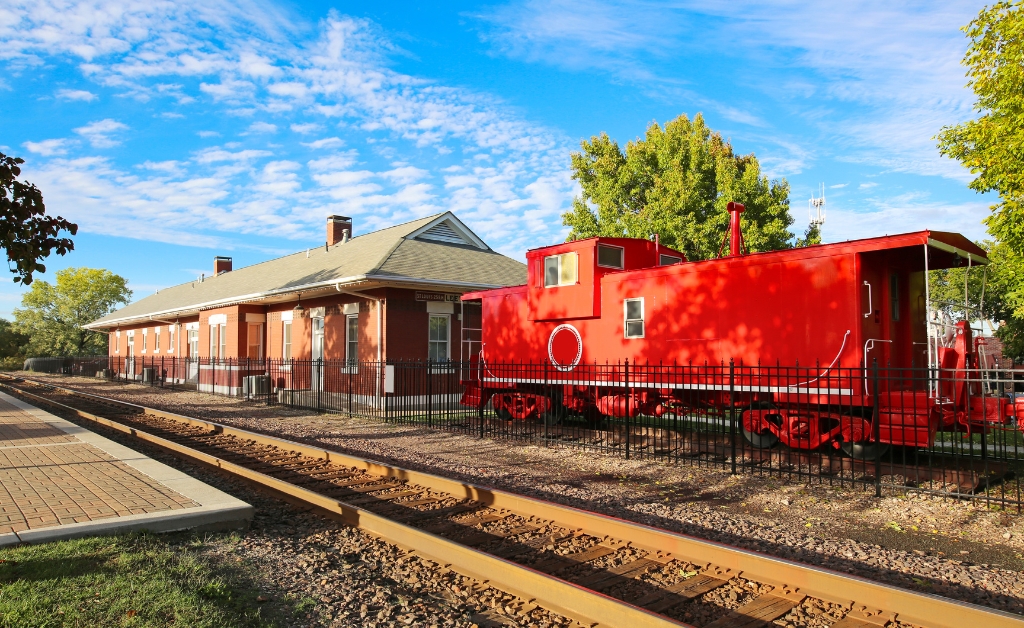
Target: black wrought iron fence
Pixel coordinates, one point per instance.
(949, 431)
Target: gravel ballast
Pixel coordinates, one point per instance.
(960, 549)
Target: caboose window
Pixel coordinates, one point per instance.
(668, 260)
(610, 256)
(560, 270)
(633, 312)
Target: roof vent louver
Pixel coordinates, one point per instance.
(443, 232)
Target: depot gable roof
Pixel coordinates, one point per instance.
(437, 251)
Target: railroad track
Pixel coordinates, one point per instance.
(594, 569)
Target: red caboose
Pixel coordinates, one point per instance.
(650, 320)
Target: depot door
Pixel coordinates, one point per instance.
(129, 367)
(193, 354)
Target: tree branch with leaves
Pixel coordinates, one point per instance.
(27, 234)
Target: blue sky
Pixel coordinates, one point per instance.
(173, 131)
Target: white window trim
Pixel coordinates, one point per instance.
(643, 318)
(171, 336)
(222, 346)
(145, 340)
(597, 253)
(156, 340)
(288, 344)
(439, 367)
(117, 341)
(544, 270)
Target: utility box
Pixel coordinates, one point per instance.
(255, 386)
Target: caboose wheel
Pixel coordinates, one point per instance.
(865, 451)
(503, 414)
(764, 440)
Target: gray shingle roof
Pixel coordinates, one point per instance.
(385, 255)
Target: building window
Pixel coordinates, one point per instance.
(633, 311)
(145, 340)
(117, 341)
(193, 343)
(352, 339)
(668, 260)
(170, 339)
(894, 297)
(213, 342)
(610, 256)
(286, 333)
(156, 340)
(438, 344)
(560, 270)
(254, 341)
(223, 333)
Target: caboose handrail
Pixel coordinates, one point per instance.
(836, 359)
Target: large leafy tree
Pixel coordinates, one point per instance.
(12, 343)
(27, 234)
(52, 315)
(676, 182)
(992, 145)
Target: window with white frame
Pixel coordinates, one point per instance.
(145, 340)
(286, 335)
(170, 339)
(214, 342)
(610, 256)
(352, 340)
(156, 340)
(117, 341)
(438, 340)
(560, 270)
(223, 333)
(633, 313)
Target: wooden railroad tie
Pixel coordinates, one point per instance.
(761, 610)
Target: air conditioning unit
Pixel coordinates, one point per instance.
(255, 385)
(148, 375)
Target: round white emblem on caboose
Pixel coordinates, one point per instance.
(565, 347)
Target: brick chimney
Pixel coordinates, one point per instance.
(339, 230)
(221, 265)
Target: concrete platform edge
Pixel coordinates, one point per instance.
(217, 509)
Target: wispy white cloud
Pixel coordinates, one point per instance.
(48, 148)
(867, 186)
(838, 186)
(262, 127)
(76, 94)
(241, 60)
(98, 133)
(327, 142)
(903, 214)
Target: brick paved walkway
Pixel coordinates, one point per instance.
(50, 478)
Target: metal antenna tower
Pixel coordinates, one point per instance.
(816, 209)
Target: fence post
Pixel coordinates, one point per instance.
(629, 403)
(732, 412)
(349, 367)
(876, 426)
(481, 404)
(430, 400)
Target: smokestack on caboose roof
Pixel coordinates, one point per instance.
(339, 230)
(735, 233)
(221, 264)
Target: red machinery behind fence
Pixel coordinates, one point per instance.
(620, 327)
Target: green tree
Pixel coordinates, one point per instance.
(676, 183)
(990, 146)
(52, 315)
(12, 345)
(26, 232)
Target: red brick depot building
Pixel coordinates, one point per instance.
(386, 296)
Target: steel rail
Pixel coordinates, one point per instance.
(923, 609)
